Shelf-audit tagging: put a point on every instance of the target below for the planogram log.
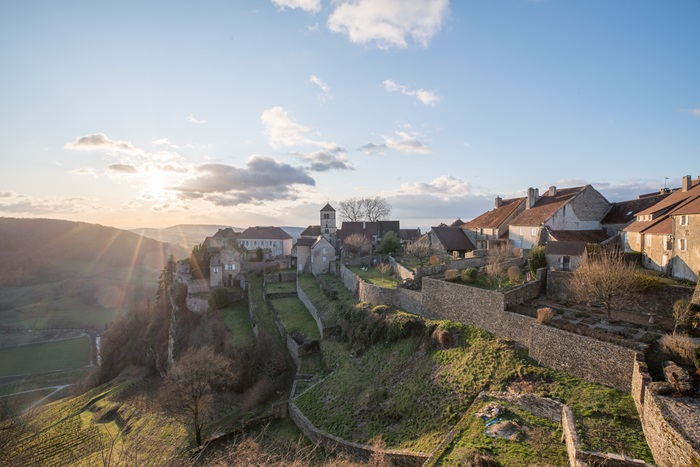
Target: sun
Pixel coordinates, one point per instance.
(156, 184)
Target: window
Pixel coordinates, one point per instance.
(682, 244)
(647, 240)
(533, 232)
(521, 230)
(684, 220)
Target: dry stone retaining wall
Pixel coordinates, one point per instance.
(312, 310)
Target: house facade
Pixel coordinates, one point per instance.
(225, 267)
(493, 225)
(686, 240)
(274, 241)
(449, 240)
(567, 209)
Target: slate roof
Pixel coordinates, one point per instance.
(495, 217)
(327, 207)
(369, 229)
(457, 223)
(410, 235)
(306, 241)
(265, 233)
(311, 231)
(585, 236)
(453, 238)
(546, 206)
(626, 211)
(565, 248)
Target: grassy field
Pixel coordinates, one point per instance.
(47, 356)
(412, 393)
(238, 323)
(295, 317)
(281, 287)
(373, 276)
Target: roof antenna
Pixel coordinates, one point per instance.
(665, 180)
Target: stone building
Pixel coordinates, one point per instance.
(450, 240)
(493, 224)
(273, 241)
(685, 219)
(225, 267)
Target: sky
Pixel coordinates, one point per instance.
(156, 113)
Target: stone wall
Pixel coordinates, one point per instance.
(669, 444)
(521, 294)
(400, 271)
(360, 451)
(411, 301)
(197, 303)
(315, 314)
(659, 302)
(350, 280)
(461, 303)
(198, 286)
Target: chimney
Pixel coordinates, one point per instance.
(552, 190)
(531, 198)
(498, 202)
(686, 183)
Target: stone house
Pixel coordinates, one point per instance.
(409, 236)
(450, 240)
(623, 213)
(314, 255)
(685, 219)
(493, 224)
(274, 241)
(566, 249)
(567, 209)
(220, 239)
(651, 234)
(374, 231)
(225, 267)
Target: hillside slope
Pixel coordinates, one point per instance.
(184, 235)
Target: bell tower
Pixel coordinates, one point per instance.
(328, 227)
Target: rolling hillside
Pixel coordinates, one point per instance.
(185, 235)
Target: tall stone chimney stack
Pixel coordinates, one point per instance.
(552, 190)
(498, 202)
(686, 183)
(531, 197)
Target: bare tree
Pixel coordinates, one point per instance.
(352, 209)
(357, 243)
(376, 208)
(383, 268)
(604, 278)
(421, 251)
(371, 208)
(188, 394)
(496, 264)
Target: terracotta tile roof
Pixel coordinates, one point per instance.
(327, 207)
(265, 233)
(640, 226)
(663, 227)
(453, 238)
(672, 200)
(565, 248)
(495, 217)
(546, 206)
(691, 206)
(311, 231)
(626, 211)
(585, 236)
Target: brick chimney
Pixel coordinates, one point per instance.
(498, 202)
(552, 190)
(531, 197)
(686, 183)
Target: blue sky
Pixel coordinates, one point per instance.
(150, 114)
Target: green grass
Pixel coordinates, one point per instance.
(539, 442)
(281, 287)
(47, 356)
(327, 307)
(373, 276)
(295, 317)
(261, 309)
(412, 394)
(238, 323)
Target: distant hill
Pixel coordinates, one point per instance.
(294, 232)
(31, 247)
(185, 235)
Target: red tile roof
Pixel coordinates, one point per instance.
(585, 236)
(662, 227)
(495, 217)
(691, 206)
(265, 233)
(626, 211)
(672, 200)
(546, 206)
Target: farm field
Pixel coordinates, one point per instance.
(45, 356)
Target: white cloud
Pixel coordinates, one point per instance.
(326, 92)
(132, 205)
(192, 119)
(326, 159)
(445, 187)
(695, 112)
(26, 205)
(426, 97)
(282, 130)
(80, 171)
(100, 141)
(405, 142)
(165, 142)
(390, 22)
(122, 171)
(312, 6)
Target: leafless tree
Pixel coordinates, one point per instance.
(376, 208)
(189, 390)
(421, 251)
(496, 263)
(357, 243)
(604, 278)
(352, 209)
(371, 209)
(383, 268)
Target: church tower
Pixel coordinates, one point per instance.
(328, 227)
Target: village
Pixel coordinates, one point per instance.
(528, 250)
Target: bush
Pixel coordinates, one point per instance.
(390, 243)
(514, 274)
(679, 348)
(682, 315)
(443, 338)
(219, 298)
(544, 315)
(469, 275)
(452, 275)
(696, 357)
(537, 259)
(647, 284)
